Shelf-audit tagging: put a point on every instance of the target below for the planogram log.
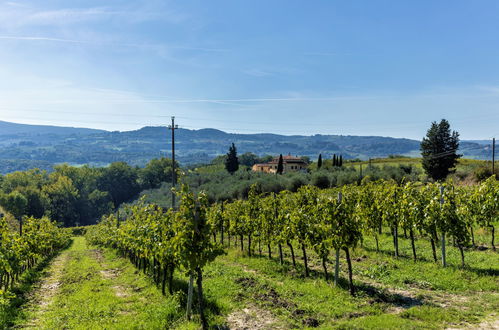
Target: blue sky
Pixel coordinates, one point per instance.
(293, 67)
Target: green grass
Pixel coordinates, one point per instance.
(99, 289)
(464, 164)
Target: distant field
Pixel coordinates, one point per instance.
(463, 164)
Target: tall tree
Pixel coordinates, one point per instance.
(15, 203)
(232, 162)
(340, 161)
(280, 165)
(156, 172)
(334, 160)
(319, 162)
(439, 150)
(61, 197)
(121, 181)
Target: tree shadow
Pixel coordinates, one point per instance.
(391, 253)
(380, 295)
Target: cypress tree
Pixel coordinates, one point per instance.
(334, 159)
(280, 165)
(231, 161)
(319, 162)
(340, 163)
(439, 150)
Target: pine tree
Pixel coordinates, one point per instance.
(280, 165)
(231, 161)
(319, 162)
(439, 150)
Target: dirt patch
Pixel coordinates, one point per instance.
(252, 318)
(490, 324)
(447, 300)
(246, 282)
(97, 254)
(271, 297)
(311, 322)
(42, 297)
(266, 295)
(110, 273)
(120, 291)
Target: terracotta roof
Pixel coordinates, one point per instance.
(288, 159)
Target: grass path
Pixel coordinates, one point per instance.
(44, 294)
(92, 289)
(85, 287)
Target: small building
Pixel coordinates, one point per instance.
(289, 164)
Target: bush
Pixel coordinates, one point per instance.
(79, 231)
(320, 180)
(482, 173)
(296, 182)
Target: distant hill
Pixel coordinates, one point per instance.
(7, 128)
(26, 146)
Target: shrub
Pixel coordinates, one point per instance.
(320, 180)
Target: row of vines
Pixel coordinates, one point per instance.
(40, 239)
(324, 221)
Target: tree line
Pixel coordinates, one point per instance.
(75, 196)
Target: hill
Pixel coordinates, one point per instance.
(7, 128)
(24, 146)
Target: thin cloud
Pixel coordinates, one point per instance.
(144, 46)
(257, 73)
(23, 16)
(321, 53)
(43, 39)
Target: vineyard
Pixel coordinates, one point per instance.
(40, 239)
(318, 224)
(20, 252)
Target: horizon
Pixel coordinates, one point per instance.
(331, 68)
(240, 133)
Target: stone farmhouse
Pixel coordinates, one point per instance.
(290, 164)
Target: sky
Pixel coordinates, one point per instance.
(384, 67)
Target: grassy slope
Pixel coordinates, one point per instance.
(463, 164)
(392, 293)
(98, 289)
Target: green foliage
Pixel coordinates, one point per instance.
(248, 159)
(280, 166)
(40, 239)
(439, 150)
(14, 203)
(156, 172)
(320, 180)
(61, 196)
(80, 195)
(191, 242)
(482, 173)
(121, 181)
(231, 161)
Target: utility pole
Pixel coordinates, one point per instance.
(493, 155)
(444, 261)
(173, 127)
